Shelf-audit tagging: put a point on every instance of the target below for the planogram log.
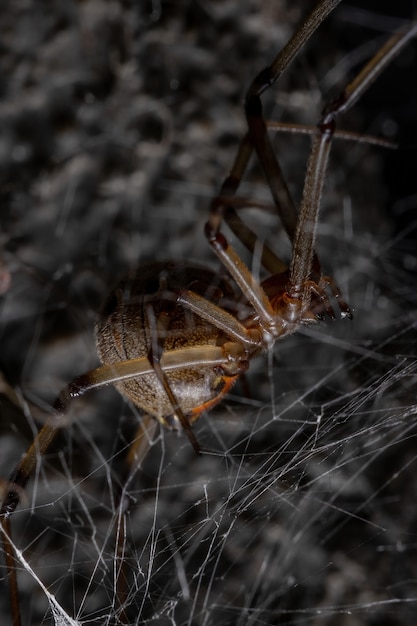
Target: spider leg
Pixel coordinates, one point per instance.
(224, 206)
(256, 122)
(21, 475)
(303, 247)
(347, 135)
(327, 281)
(257, 138)
(9, 557)
(242, 276)
(142, 440)
(229, 205)
(157, 325)
(134, 459)
(222, 320)
(230, 184)
(214, 356)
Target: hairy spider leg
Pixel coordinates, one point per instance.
(303, 251)
(304, 263)
(257, 138)
(105, 375)
(157, 327)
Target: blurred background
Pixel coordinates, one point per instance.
(118, 124)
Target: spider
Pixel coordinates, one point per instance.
(174, 337)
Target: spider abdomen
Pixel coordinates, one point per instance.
(125, 332)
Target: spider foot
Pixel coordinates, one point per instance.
(344, 308)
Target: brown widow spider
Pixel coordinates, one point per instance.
(174, 337)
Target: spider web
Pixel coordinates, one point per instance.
(118, 125)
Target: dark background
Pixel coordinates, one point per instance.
(118, 123)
